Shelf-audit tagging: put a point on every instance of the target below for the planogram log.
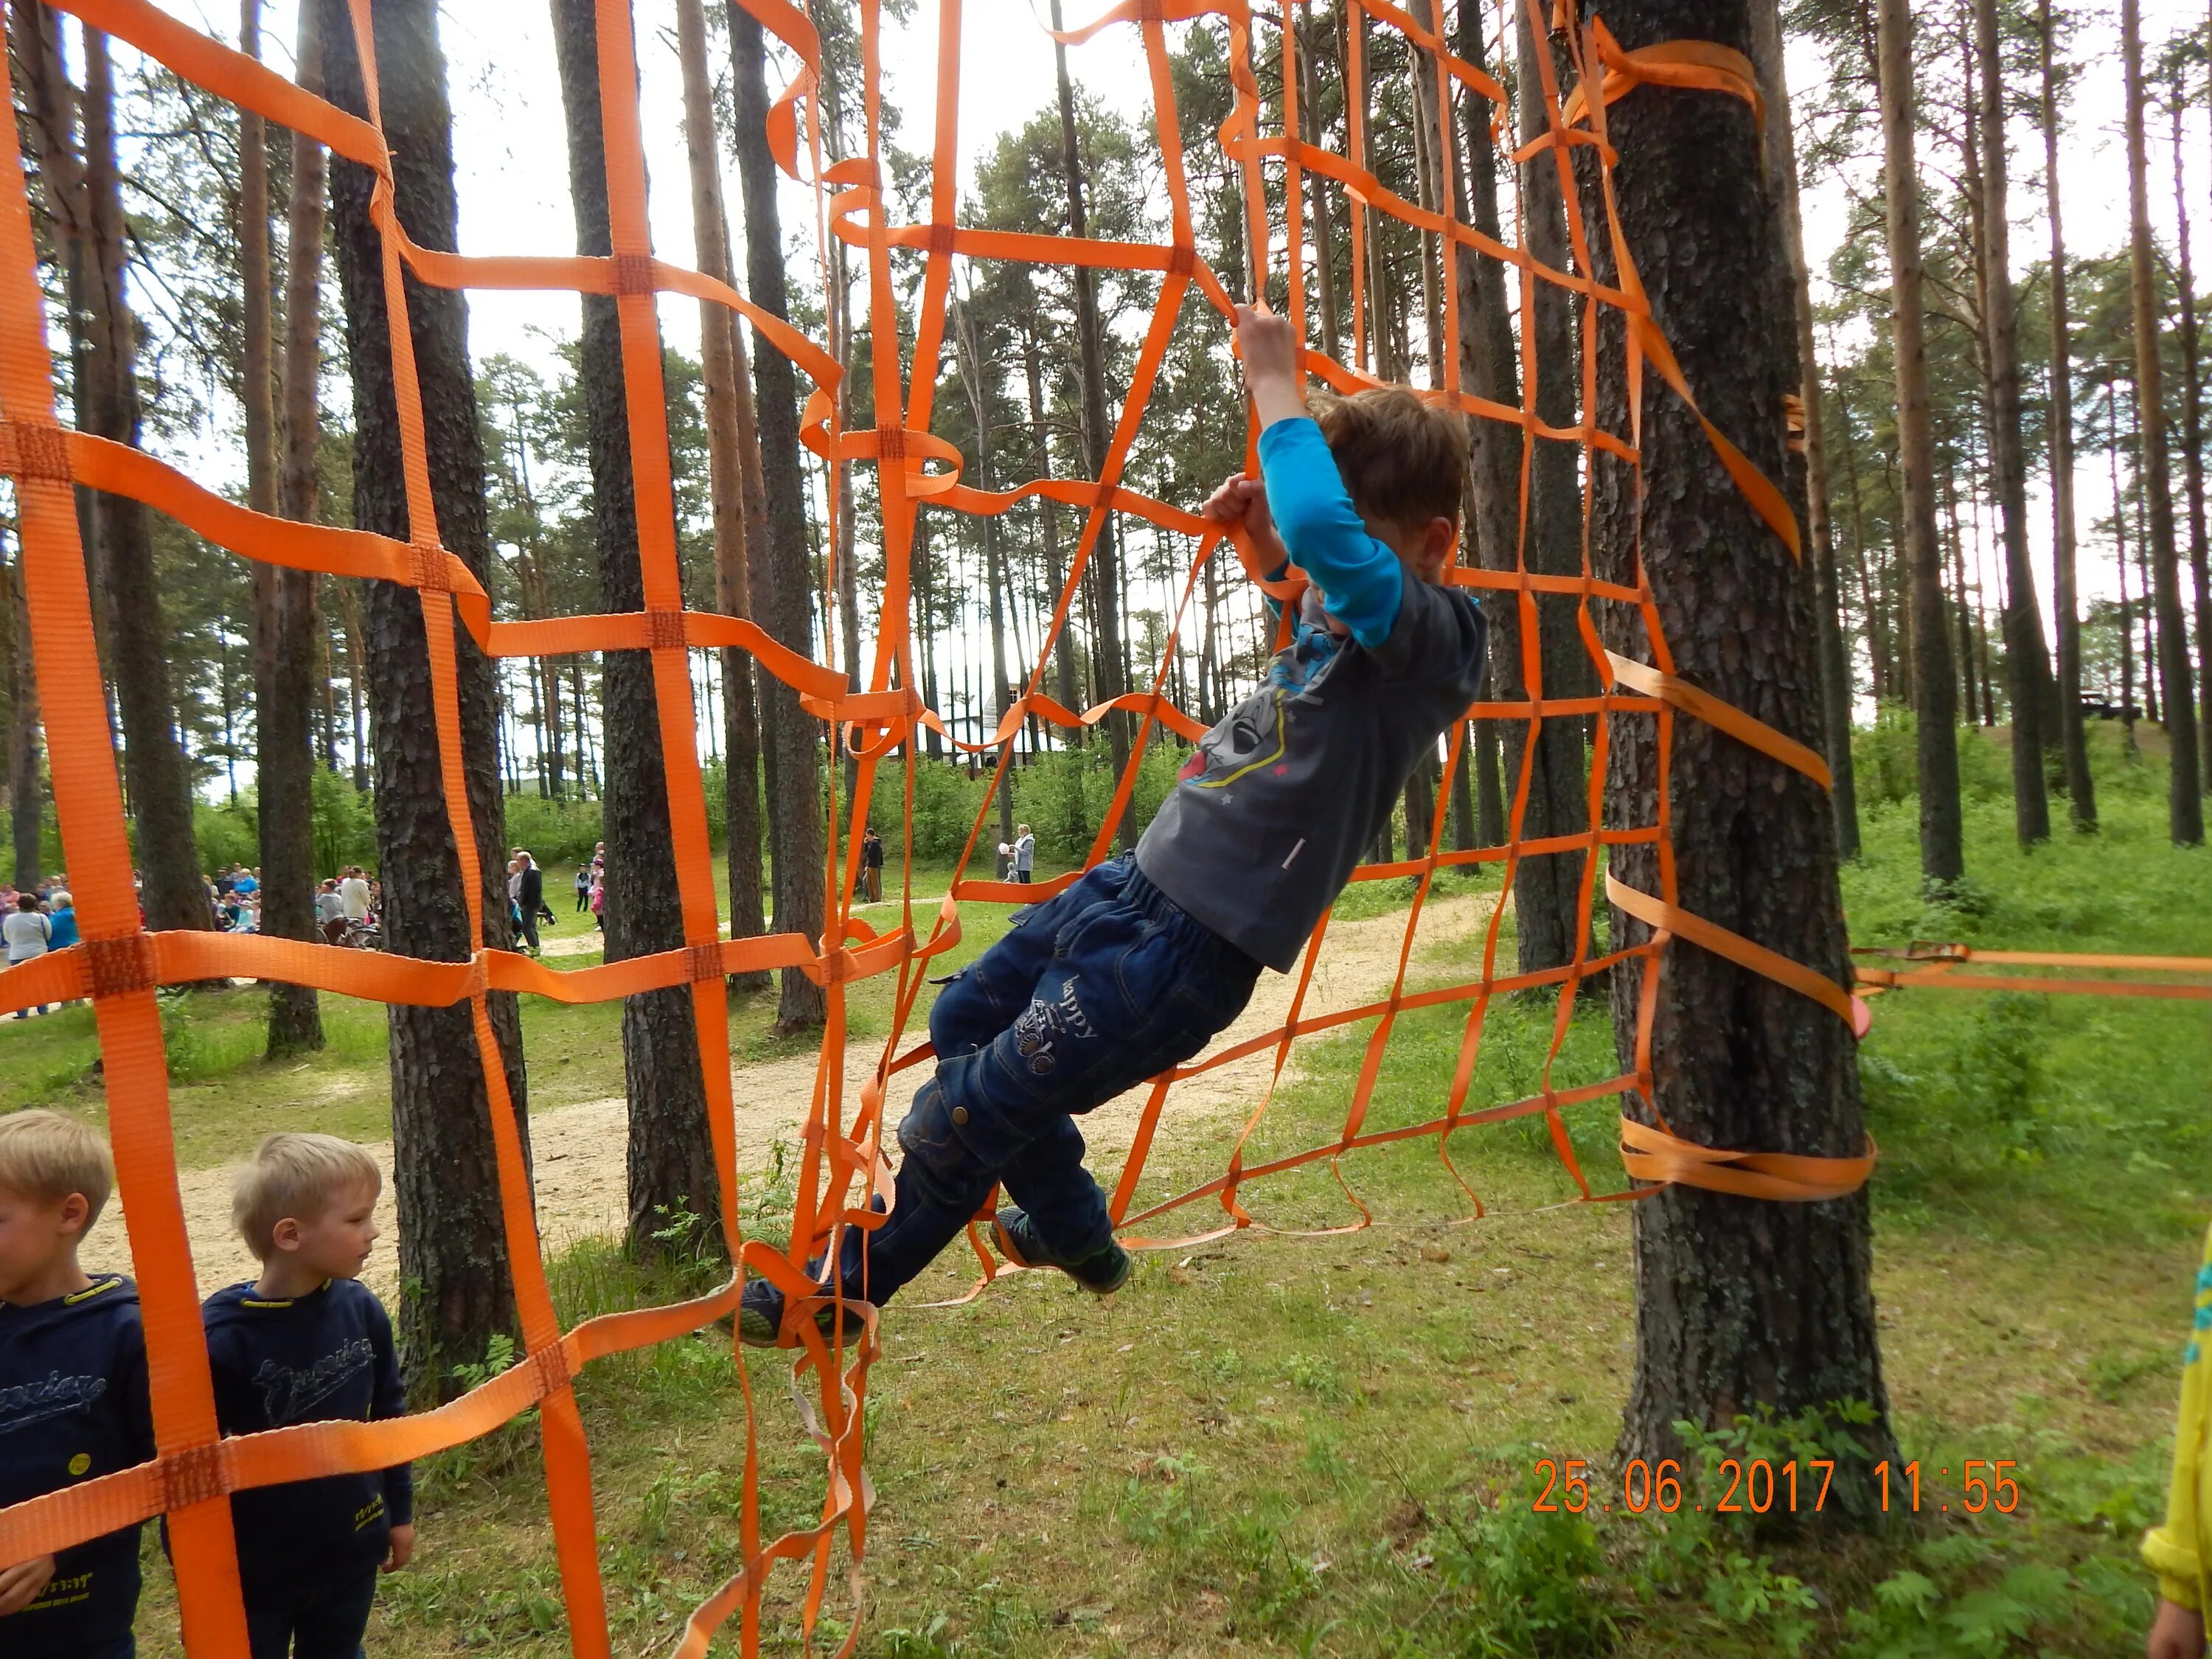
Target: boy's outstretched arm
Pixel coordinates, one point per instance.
(1361, 581)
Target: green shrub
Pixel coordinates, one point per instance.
(557, 832)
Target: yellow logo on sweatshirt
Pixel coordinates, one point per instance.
(79, 1463)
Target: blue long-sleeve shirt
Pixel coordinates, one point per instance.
(74, 1406)
(319, 1357)
(1271, 815)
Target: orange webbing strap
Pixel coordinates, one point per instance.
(1653, 1155)
(88, 800)
(1937, 965)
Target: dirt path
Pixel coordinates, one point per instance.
(579, 1150)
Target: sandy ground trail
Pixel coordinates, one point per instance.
(578, 1149)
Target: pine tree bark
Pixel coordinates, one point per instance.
(2073, 740)
(2028, 669)
(733, 482)
(968, 342)
(1837, 692)
(1065, 682)
(782, 588)
(25, 788)
(1935, 692)
(284, 600)
(1739, 1303)
(1097, 428)
(1547, 887)
(674, 1202)
(1489, 369)
(2184, 801)
(2192, 448)
(137, 631)
(456, 1293)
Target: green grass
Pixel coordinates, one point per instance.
(1269, 1445)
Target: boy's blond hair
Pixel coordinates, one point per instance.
(46, 1156)
(1403, 461)
(300, 1175)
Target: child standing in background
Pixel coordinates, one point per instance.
(307, 1343)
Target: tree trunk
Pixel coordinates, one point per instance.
(1837, 692)
(284, 600)
(675, 1200)
(1739, 1303)
(1323, 233)
(1547, 887)
(1935, 694)
(1063, 647)
(26, 792)
(2073, 741)
(2027, 670)
(733, 480)
(968, 342)
(1488, 369)
(139, 639)
(1090, 338)
(456, 1293)
(2185, 802)
(2192, 450)
(781, 587)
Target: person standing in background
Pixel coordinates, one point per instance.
(529, 897)
(583, 887)
(871, 865)
(1025, 853)
(28, 935)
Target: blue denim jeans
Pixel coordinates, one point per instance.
(1087, 994)
(315, 1622)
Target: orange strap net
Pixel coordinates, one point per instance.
(119, 967)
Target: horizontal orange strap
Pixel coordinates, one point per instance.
(1890, 979)
(1770, 964)
(1653, 1155)
(56, 1520)
(1921, 951)
(1722, 716)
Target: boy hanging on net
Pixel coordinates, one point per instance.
(73, 1394)
(306, 1343)
(1138, 965)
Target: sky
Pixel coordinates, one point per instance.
(512, 169)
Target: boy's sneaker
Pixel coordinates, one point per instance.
(1102, 1273)
(760, 1317)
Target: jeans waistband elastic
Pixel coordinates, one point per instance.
(1200, 941)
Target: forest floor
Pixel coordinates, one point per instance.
(1328, 1445)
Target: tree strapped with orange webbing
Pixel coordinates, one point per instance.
(118, 967)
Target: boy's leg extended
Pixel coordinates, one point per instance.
(1128, 989)
(332, 1624)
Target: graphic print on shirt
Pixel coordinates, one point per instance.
(1255, 734)
(55, 1395)
(291, 1396)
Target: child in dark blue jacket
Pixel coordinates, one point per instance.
(1137, 966)
(307, 1343)
(73, 1396)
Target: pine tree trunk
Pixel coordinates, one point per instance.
(1836, 691)
(1934, 693)
(2184, 801)
(2192, 450)
(783, 590)
(138, 633)
(675, 1204)
(1739, 1303)
(26, 790)
(1489, 369)
(1547, 887)
(2028, 669)
(2073, 741)
(733, 482)
(1324, 228)
(1097, 428)
(284, 639)
(968, 342)
(1064, 670)
(455, 1290)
